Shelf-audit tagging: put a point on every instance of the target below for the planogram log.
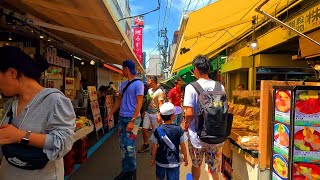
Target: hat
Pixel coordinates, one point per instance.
(130, 64)
(167, 109)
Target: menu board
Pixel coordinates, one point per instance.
(306, 171)
(281, 134)
(280, 167)
(306, 144)
(97, 120)
(281, 137)
(282, 106)
(109, 105)
(307, 108)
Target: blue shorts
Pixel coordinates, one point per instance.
(171, 173)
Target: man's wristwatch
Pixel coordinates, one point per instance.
(25, 140)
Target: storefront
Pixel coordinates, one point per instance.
(77, 39)
(277, 58)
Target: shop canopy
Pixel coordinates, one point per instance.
(226, 20)
(93, 17)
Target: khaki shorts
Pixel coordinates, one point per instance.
(212, 155)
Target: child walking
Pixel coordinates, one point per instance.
(166, 141)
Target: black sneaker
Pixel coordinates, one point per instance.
(127, 176)
(144, 148)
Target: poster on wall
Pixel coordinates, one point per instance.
(109, 105)
(69, 87)
(56, 61)
(282, 106)
(67, 63)
(95, 108)
(62, 62)
(49, 55)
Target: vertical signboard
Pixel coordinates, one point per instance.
(137, 37)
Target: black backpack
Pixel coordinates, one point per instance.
(211, 122)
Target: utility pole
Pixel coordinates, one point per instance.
(163, 48)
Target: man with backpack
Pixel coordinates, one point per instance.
(130, 102)
(207, 121)
(153, 101)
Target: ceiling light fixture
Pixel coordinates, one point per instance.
(82, 63)
(254, 44)
(92, 62)
(76, 57)
(41, 36)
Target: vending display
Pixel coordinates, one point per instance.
(296, 133)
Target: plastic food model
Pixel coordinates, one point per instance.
(308, 102)
(306, 172)
(307, 139)
(283, 101)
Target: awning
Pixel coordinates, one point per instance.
(113, 68)
(94, 17)
(230, 19)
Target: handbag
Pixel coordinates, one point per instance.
(24, 156)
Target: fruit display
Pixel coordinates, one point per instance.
(282, 101)
(308, 102)
(82, 122)
(303, 171)
(307, 139)
(281, 134)
(280, 166)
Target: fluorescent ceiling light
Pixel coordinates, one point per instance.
(76, 57)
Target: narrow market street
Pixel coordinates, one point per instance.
(105, 163)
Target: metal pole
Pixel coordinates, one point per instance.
(258, 9)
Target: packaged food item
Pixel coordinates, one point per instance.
(231, 108)
(240, 110)
(254, 127)
(249, 142)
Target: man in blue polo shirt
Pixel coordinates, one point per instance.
(130, 102)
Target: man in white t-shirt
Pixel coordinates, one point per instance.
(198, 149)
(152, 116)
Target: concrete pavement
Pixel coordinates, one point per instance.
(105, 163)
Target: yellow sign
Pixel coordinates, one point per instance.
(305, 22)
(116, 77)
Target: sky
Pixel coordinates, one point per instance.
(170, 18)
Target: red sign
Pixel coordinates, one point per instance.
(138, 21)
(137, 43)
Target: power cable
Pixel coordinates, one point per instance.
(165, 14)
(143, 14)
(195, 8)
(169, 13)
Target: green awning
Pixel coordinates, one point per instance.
(185, 70)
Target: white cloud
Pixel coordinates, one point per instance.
(135, 9)
(182, 5)
(148, 28)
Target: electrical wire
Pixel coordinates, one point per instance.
(189, 5)
(143, 14)
(165, 14)
(169, 13)
(195, 8)
(214, 42)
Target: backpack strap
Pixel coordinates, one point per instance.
(217, 86)
(128, 84)
(197, 87)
